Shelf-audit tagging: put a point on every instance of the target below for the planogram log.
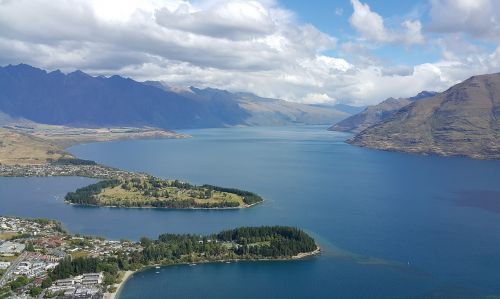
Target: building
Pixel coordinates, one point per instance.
(65, 282)
(92, 278)
(11, 248)
(4, 265)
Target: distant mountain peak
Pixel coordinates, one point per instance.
(79, 73)
(423, 94)
(376, 113)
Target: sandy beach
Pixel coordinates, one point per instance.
(306, 254)
(118, 286)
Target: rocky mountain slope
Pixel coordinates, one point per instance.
(462, 121)
(80, 100)
(377, 113)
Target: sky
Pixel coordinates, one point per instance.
(357, 52)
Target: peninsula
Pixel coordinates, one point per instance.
(39, 259)
(157, 193)
(25, 143)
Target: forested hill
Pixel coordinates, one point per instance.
(78, 99)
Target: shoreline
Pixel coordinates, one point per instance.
(128, 274)
(119, 286)
(148, 207)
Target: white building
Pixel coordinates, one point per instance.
(4, 265)
(65, 282)
(92, 278)
(11, 248)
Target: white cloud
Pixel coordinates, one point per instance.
(370, 26)
(254, 46)
(477, 18)
(235, 20)
(318, 98)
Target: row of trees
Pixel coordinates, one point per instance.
(88, 195)
(73, 161)
(248, 197)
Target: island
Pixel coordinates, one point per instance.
(154, 192)
(39, 259)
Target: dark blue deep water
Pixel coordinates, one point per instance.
(390, 224)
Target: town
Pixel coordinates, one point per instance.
(31, 248)
(40, 260)
(54, 169)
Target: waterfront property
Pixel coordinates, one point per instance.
(47, 259)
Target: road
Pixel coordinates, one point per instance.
(11, 268)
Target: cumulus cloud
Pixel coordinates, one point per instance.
(478, 18)
(254, 46)
(318, 98)
(235, 20)
(370, 26)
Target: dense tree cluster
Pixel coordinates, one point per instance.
(73, 161)
(78, 266)
(88, 195)
(190, 203)
(248, 197)
(266, 242)
(73, 267)
(240, 243)
(279, 240)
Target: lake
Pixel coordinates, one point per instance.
(389, 224)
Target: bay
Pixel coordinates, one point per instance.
(390, 224)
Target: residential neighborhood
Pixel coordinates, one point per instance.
(31, 248)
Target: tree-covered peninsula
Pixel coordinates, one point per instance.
(245, 243)
(49, 262)
(157, 193)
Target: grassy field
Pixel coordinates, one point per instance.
(24, 149)
(6, 235)
(137, 197)
(78, 254)
(9, 258)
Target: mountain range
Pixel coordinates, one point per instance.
(374, 114)
(461, 121)
(78, 99)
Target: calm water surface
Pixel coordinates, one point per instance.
(408, 226)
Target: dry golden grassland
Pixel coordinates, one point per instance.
(30, 143)
(24, 149)
(7, 235)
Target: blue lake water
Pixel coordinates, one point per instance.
(410, 226)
